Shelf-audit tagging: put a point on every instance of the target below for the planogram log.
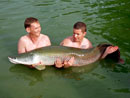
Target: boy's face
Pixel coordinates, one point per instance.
(35, 29)
(78, 35)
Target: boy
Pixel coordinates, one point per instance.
(34, 39)
(78, 39)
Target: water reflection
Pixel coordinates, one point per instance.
(121, 68)
(66, 0)
(99, 76)
(34, 76)
(31, 75)
(115, 67)
(44, 3)
(68, 13)
(121, 90)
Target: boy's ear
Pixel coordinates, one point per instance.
(28, 30)
(85, 33)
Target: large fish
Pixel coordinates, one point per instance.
(48, 55)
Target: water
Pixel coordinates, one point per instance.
(107, 21)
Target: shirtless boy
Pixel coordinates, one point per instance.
(34, 39)
(78, 39)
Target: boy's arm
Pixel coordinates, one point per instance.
(21, 46)
(48, 42)
(90, 44)
(66, 42)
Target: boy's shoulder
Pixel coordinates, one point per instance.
(44, 36)
(24, 37)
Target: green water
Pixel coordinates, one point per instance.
(107, 21)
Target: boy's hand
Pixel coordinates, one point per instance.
(40, 63)
(58, 63)
(65, 63)
(69, 62)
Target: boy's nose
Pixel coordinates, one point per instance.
(75, 35)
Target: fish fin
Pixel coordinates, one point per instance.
(40, 67)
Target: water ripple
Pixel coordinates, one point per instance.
(122, 90)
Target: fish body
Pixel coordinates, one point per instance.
(48, 56)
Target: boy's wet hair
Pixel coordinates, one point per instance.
(29, 21)
(80, 25)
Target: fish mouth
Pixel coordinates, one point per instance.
(12, 60)
(16, 60)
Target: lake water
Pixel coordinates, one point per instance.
(107, 21)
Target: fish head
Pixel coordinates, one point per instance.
(27, 59)
(13, 60)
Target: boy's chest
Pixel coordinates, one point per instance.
(31, 46)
